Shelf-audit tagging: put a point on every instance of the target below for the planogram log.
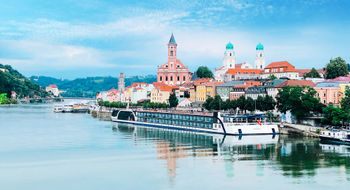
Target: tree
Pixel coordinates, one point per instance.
(226, 105)
(241, 101)
(345, 102)
(260, 104)
(204, 72)
(301, 101)
(334, 116)
(207, 102)
(271, 77)
(216, 104)
(336, 67)
(173, 101)
(312, 74)
(3, 98)
(249, 104)
(269, 103)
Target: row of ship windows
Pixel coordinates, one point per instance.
(174, 116)
(177, 122)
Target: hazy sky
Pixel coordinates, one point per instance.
(69, 39)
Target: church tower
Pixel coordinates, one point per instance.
(121, 83)
(229, 60)
(260, 57)
(172, 46)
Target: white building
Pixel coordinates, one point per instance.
(140, 91)
(229, 62)
(53, 89)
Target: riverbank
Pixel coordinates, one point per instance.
(64, 150)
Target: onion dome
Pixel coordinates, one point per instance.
(259, 47)
(229, 46)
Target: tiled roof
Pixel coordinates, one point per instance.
(242, 71)
(219, 68)
(137, 84)
(296, 83)
(274, 82)
(256, 90)
(279, 64)
(52, 86)
(231, 84)
(327, 84)
(345, 78)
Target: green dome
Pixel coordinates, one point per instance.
(259, 47)
(229, 46)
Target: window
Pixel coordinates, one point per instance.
(171, 78)
(160, 78)
(178, 78)
(166, 78)
(184, 78)
(171, 53)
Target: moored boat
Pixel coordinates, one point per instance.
(335, 136)
(198, 122)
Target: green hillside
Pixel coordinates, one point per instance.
(12, 80)
(88, 87)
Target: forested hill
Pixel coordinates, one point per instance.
(87, 87)
(12, 80)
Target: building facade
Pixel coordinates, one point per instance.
(329, 93)
(173, 72)
(280, 69)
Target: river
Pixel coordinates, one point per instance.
(40, 149)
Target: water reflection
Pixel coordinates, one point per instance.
(294, 157)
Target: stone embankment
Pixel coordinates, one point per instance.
(300, 130)
(102, 113)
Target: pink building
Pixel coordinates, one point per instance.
(329, 93)
(173, 72)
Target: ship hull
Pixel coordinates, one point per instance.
(229, 130)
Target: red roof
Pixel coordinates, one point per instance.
(219, 68)
(345, 78)
(52, 86)
(280, 64)
(243, 71)
(112, 90)
(137, 84)
(296, 83)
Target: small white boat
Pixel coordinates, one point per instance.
(335, 136)
(68, 108)
(58, 108)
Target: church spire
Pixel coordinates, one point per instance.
(172, 39)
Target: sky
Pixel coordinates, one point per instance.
(71, 38)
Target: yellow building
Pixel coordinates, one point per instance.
(342, 89)
(192, 94)
(127, 94)
(161, 93)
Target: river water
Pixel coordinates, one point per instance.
(40, 149)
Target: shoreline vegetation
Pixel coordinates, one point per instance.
(14, 86)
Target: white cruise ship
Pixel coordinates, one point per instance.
(198, 122)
